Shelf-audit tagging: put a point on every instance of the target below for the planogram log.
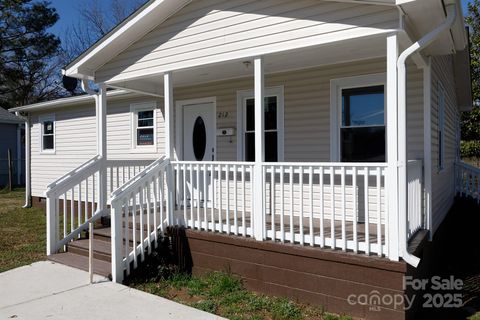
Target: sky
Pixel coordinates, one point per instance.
(67, 9)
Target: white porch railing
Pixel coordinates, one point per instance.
(467, 181)
(72, 202)
(73, 199)
(139, 213)
(334, 205)
(215, 196)
(415, 206)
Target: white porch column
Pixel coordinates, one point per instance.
(169, 136)
(101, 110)
(258, 211)
(427, 143)
(391, 183)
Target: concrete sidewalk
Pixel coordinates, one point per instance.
(54, 291)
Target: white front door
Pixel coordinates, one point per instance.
(199, 134)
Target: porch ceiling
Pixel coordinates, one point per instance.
(339, 52)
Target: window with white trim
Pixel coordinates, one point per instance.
(47, 133)
(143, 126)
(273, 125)
(358, 126)
(441, 127)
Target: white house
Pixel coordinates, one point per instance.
(303, 144)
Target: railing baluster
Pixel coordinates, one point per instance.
(379, 213)
(235, 205)
(220, 222)
(79, 205)
(332, 214)
(227, 192)
(355, 210)
(310, 222)
(322, 209)
(126, 217)
(141, 207)
(300, 217)
(198, 196)
(344, 215)
(72, 211)
(149, 239)
(161, 198)
(65, 222)
(184, 194)
(155, 202)
(272, 202)
(292, 234)
(212, 209)
(205, 197)
(86, 200)
(192, 196)
(133, 196)
(282, 205)
(244, 225)
(367, 213)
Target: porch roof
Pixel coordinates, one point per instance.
(155, 12)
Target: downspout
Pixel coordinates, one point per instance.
(451, 10)
(28, 187)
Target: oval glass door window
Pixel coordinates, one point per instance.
(199, 139)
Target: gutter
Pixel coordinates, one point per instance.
(451, 10)
(28, 187)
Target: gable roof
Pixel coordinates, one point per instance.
(155, 12)
(7, 117)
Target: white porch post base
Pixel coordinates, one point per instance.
(116, 241)
(51, 225)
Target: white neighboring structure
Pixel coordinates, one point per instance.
(296, 122)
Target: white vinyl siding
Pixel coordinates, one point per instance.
(76, 139)
(443, 191)
(208, 31)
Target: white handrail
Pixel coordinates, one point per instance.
(137, 179)
(64, 183)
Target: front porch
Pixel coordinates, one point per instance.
(359, 193)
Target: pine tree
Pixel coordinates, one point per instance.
(27, 52)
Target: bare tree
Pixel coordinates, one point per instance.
(97, 18)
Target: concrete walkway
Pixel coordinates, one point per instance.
(46, 290)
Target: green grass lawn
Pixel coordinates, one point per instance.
(22, 231)
(225, 295)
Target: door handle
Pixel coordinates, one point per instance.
(213, 152)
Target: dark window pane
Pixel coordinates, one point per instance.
(270, 113)
(145, 114)
(250, 146)
(250, 110)
(271, 154)
(271, 147)
(363, 106)
(363, 144)
(145, 123)
(48, 127)
(145, 137)
(47, 142)
(199, 139)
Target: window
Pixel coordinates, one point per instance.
(362, 132)
(273, 125)
(47, 139)
(441, 127)
(144, 125)
(357, 119)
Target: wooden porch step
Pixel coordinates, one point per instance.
(104, 234)
(101, 249)
(100, 267)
